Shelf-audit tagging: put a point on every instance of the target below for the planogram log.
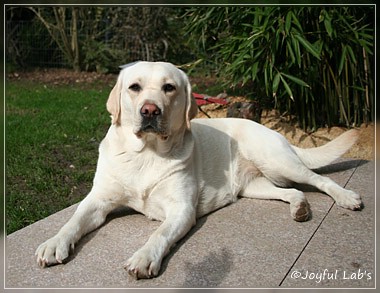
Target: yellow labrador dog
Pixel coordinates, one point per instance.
(157, 161)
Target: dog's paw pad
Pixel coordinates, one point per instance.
(301, 211)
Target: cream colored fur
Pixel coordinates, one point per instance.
(184, 168)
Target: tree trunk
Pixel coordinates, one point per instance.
(59, 34)
(74, 39)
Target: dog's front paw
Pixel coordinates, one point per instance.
(53, 251)
(350, 200)
(143, 264)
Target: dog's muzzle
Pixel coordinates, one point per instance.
(151, 120)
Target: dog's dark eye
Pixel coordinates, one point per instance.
(135, 87)
(167, 88)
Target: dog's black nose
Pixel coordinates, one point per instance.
(150, 110)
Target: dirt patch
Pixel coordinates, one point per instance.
(363, 149)
(60, 76)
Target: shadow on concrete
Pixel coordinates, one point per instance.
(202, 274)
(341, 166)
(210, 271)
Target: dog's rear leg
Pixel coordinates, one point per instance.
(343, 197)
(296, 171)
(262, 188)
(89, 215)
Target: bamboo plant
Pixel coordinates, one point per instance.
(314, 62)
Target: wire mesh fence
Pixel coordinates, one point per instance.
(28, 44)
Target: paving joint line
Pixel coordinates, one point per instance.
(317, 228)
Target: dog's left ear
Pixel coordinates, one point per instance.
(191, 104)
(113, 103)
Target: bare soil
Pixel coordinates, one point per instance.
(363, 149)
(58, 76)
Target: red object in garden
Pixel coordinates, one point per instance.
(202, 99)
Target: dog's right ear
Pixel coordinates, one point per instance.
(113, 103)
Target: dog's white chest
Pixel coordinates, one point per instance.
(143, 179)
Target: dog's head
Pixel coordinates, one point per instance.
(154, 98)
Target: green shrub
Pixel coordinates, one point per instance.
(314, 62)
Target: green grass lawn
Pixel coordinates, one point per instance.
(51, 138)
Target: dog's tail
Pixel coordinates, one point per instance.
(321, 156)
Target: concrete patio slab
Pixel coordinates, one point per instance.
(248, 244)
(342, 251)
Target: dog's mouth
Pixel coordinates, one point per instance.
(151, 127)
